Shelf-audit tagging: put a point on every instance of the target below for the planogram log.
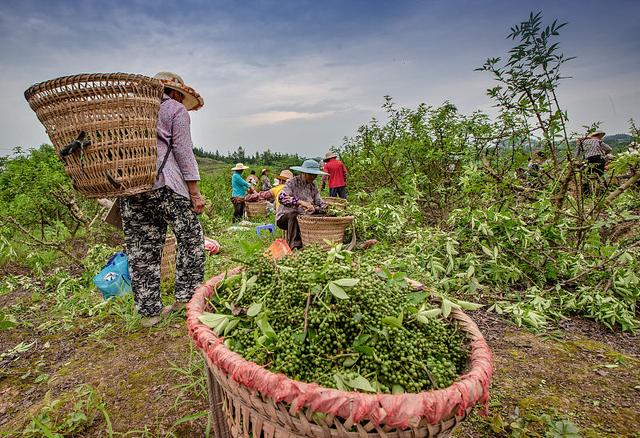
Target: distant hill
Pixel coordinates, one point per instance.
(618, 142)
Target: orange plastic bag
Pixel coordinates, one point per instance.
(278, 249)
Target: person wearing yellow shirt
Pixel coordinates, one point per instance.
(282, 179)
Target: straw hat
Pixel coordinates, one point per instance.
(192, 100)
(240, 166)
(263, 171)
(285, 175)
(309, 166)
(595, 133)
(329, 155)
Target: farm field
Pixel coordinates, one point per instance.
(505, 218)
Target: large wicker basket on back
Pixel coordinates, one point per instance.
(317, 229)
(247, 400)
(104, 127)
(256, 209)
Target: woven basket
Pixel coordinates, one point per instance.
(168, 261)
(256, 209)
(317, 229)
(338, 203)
(247, 411)
(117, 113)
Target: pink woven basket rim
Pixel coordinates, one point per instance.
(468, 390)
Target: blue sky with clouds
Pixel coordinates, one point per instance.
(298, 76)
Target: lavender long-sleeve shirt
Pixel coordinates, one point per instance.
(174, 127)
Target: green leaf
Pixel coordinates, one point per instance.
(341, 382)
(266, 328)
(446, 307)
(397, 389)
(252, 281)
(487, 251)
(417, 297)
(362, 384)
(337, 291)
(466, 305)
(232, 324)
(350, 361)
(346, 282)
(211, 319)
(361, 339)
(254, 309)
(364, 349)
(393, 321)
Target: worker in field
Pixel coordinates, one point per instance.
(266, 182)
(336, 176)
(299, 196)
(595, 152)
(252, 179)
(175, 201)
(284, 176)
(239, 189)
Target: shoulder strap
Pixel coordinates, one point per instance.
(164, 160)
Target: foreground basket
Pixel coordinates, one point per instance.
(168, 261)
(247, 400)
(320, 229)
(104, 128)
(256, 209)
(338, 203)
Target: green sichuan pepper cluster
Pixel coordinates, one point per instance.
(322, 317)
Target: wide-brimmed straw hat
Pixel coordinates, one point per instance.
(192, 100)
(263, 171)
(240, 166)
(329, 155)
(285, 175)
(309, 166)
(596, 134)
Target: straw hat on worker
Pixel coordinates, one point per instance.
(285, 175)
(599, 134)
(192, 99)
(240, 166)
(329, 155)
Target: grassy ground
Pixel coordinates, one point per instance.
(75, 365)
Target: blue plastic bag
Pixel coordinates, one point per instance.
(114, 278)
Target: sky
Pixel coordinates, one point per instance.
(299, 76)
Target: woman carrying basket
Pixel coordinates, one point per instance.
(175, 200)
(299, 196)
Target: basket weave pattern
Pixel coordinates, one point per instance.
(118, 112)
(256, 402)
(317, 229)
(256, 209)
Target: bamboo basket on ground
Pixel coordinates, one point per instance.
(339, 203)
(247, 400)
(255, 209)
(168, 261)
(316, 229)
(103, 126)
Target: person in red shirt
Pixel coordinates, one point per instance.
(337, 176)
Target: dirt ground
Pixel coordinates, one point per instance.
(151, 381)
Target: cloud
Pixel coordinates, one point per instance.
(273, 73)
(272, 117)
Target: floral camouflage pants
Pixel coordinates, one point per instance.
(145, 218)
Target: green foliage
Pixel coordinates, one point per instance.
(27, 186)
(69, 415)
(330, 318)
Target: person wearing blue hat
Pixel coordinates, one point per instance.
(299, 196)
